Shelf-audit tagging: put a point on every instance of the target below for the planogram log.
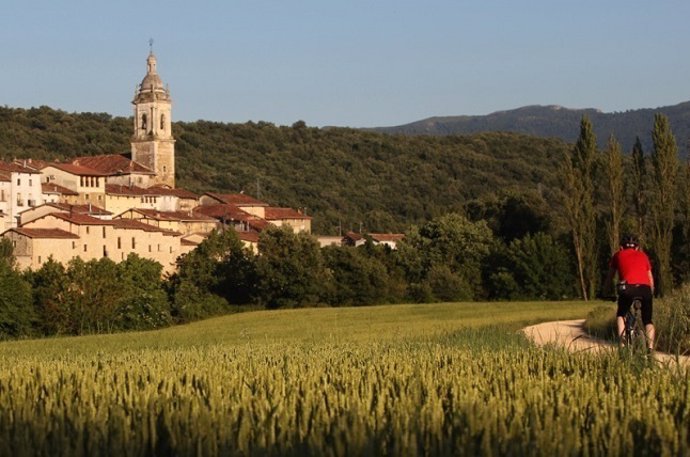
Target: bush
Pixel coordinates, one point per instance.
(672, 321)
(601, 322)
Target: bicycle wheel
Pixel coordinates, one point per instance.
(634, 329)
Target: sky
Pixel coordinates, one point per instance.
(350, 63)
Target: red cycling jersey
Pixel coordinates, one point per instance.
(633, 266)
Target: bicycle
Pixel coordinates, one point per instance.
(634, 335)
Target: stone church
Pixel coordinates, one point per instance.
(115, 205)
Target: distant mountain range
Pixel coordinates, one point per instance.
(559, 122)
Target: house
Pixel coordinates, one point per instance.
(47, 208)
(241, 201)
(288, 217)
(20, 188)
(185, 222)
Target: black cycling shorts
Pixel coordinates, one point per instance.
(628, 292)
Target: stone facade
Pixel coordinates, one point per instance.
(153, 145)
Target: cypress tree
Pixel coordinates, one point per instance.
(613, 165)
(638, 183)
(578, 178)
(665, 174)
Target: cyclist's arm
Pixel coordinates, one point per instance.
(607, 287)
(651, 279)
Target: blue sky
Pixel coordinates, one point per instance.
(347, 63)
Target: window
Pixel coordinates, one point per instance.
(103, 232)
(87, 230)
(134, 243)
(119, 242)
(105, 251)
(149, 248)
(19, 181)
(162, 121)
(74, 245)
(39, 259)
(143, 121)
(2, 195)
(31, 183)
(159, 248)
(85, 248)
(20, 200)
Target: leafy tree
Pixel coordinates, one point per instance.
(290, 268)
(357, 278)
(195, 289)
(540, 267)
(578, 179)
(663, 204)
(16, 310)
(49, 286)
(143, 303)
(451, 240)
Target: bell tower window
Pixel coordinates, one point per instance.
(143, 121)
(163, 122)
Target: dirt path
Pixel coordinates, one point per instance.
(571, 334)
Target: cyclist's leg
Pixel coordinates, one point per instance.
(624, 302)
(647, 309)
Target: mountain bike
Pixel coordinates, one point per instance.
(634, 335)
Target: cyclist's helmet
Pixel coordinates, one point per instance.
(629, 241)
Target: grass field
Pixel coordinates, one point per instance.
(443, 379)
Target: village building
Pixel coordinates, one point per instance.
(20, 188)
(114, 205)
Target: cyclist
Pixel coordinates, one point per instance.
(634, 280)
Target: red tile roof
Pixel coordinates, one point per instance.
(78, 170)
(236, 199)
(225, 212)
(14, 167)
(52, 233)
(250, 237)
(177, 192)
(112, 164)
(274, 214)
(117, 189)
(51, 188)
(382, 237)
(79, 218)
(80, 209)
(173, 215)
(136, 225)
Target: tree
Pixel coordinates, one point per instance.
(613, 167)
(16, 310)
(358, 279)
(49, 286)
(451, 240)
(195, 289)
(638, 185)
(290, 269)
(665, 165)
(578, 177)
(142, 302)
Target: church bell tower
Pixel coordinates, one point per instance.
(153, 145)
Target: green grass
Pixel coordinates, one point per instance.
(313, 325)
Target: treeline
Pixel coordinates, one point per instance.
(344, 178)
(449, 258)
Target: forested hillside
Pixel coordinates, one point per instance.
(559, 122)
(344, 178)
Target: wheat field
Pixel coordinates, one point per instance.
(445, 379)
